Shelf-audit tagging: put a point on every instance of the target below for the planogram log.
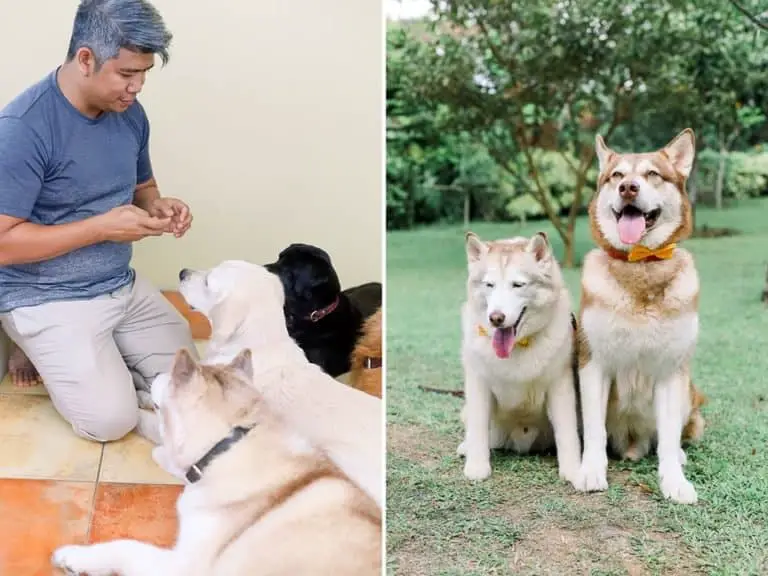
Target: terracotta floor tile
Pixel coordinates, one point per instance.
(6, 387)
(37, 516)
(144, 512)
(130, 460)
(35, 442)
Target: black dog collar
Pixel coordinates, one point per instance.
(196, 471)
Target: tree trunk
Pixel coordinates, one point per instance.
(410, 205)
(467, 201)
(692, 193)
(569, 257)
(720, 175)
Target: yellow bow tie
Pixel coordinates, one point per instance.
(482, 331)
(639, 253)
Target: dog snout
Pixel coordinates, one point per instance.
(628, 190)
(497, 318)
(184, 273)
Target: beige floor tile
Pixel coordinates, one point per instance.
(7, 388)
(35, 442)
(130, 461)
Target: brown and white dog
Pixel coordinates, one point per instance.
(366, 360)
(261, 498)
(639, 317)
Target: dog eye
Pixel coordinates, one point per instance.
(617, 174)
(518, 284)
(653, 173)
(489, 284)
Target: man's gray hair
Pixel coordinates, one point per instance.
(106, 26)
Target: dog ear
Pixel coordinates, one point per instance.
(243, 363)
(604, 154)
(539, 246)
(681, 151)
(475, 247)
(184, 367)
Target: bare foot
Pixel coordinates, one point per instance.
(23, 372)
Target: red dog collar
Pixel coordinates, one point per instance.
(321, 313)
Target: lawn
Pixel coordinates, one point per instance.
(524, 520)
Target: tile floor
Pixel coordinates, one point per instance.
(56, 488)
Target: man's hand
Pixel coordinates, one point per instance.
(176, 210)
(130, 223)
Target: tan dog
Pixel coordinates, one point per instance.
(261, 501)
(639, 317)
(366, 361)
(517, 350)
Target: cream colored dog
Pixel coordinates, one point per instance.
(517, 353)
(639, 318)
(261, 499)
(244, 304)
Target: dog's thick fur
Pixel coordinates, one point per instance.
(244, 304)
(367, 357)
(639, 319)
(311, 285)
(270, 504)
(526, 401)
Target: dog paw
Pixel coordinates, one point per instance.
(591, 478)
(477, 469)
(462, 449)
(72, 560)
(569, 473)
(678, 489)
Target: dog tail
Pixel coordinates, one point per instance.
(456, 393)
(694, 428)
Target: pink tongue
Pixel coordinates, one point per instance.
(503, 342)
(631, 228)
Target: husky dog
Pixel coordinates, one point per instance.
(261, 498)
(517, 350)
(639, 317)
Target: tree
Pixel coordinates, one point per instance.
(532, 79)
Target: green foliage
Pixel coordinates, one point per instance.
(503, 100)
(746, 174)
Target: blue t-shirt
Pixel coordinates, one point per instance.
(59, 166)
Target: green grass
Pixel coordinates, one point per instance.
(524, 520)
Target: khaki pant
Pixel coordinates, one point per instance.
(93, 355)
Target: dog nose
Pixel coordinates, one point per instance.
(497, 318)
(629, 190)
(183, 274)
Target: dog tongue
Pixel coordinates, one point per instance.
(631, 228)
(503, 341)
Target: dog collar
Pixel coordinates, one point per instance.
(321, 313)
(640, 253)
(371, 362)
(483, 331)
(196, 471)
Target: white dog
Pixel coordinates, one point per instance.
(261, 499)
(244, 304)
(517, 353)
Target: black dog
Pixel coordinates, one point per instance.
(323, 320)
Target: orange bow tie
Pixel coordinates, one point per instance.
(483, 331)
(639, 253)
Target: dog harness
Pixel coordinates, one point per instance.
(321, 313)
(196, 471)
